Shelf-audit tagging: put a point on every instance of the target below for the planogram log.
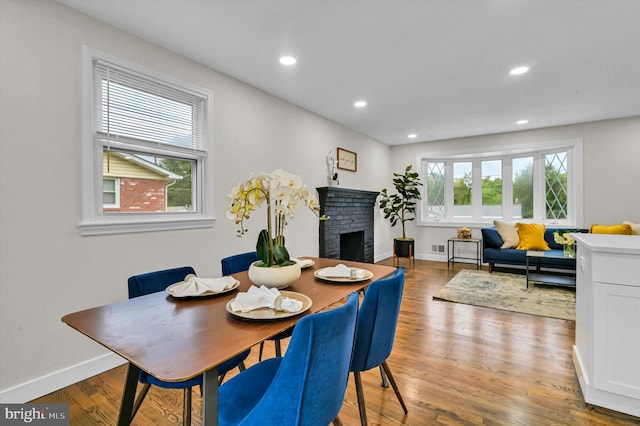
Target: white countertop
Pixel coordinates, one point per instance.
(610, 243)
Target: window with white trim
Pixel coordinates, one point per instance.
(147, 149)
(111, 193)
(540, 184)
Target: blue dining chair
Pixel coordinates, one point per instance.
(375, 333)
(152, 282)
(239, 263)
(305, 387)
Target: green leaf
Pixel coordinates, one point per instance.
(282, 256)
(262, 247)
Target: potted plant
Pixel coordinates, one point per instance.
(401, 207)
(281, 192)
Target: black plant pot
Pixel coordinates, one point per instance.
(403, 247)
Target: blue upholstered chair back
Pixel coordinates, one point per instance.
(238, 263)
(152, 282)
(309, 385)
(377, 322)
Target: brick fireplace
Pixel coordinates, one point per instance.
(348, 235)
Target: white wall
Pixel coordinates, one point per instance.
(46, 268)
(611, 172)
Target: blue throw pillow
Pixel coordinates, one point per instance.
(491, 237)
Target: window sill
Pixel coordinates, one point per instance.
(489, 223)
(143, 225)
(455, 224)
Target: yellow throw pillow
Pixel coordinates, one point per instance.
(531, 236)
(508, 232)
(622, 229)
(635, 227)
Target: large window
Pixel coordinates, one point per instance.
(146, 152)
(540, 183)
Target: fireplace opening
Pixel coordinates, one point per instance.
(352, 246)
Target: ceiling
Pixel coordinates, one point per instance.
(436, 68)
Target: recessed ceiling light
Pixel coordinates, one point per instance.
(519, 70)
(360, 104)
(522, 121)
(412, 136)
(287, 60)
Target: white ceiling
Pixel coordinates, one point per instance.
(436, 68)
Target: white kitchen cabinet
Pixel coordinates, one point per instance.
(606, 354)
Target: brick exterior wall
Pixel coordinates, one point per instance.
(350, 210)
(142, 195)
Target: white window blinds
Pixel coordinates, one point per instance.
(139, 110)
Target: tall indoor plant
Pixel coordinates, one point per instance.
(401, 207)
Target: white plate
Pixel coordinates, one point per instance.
(308, 262)
(272, 314)
(367, 276)
(171, 288)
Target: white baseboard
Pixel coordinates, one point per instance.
(434, 257)
(442, 257)
(382, 256)
(40, 386)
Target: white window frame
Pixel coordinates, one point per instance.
(116, 190)
(575, 197)
(94, 220)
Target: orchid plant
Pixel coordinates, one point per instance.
(282, 192)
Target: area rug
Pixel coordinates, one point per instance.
(509, 292)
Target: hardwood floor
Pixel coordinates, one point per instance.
(455, 365)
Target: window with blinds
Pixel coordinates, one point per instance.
(139, 110)
(150, 136)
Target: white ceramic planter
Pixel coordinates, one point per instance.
(276, 276)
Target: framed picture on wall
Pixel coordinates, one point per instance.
(347, 160)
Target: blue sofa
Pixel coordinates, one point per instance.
(494, 255)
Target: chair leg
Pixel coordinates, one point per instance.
(387, 370)
(337, 421)
(278, 347)
(221, 377)
(383, 376)
(139, 399)
(186, 409)
(360, 394)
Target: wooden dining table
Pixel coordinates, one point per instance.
(177, 339)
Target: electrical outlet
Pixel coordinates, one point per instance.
(441, 248)
(434, 247)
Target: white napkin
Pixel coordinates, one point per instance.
(264, 297)
(341, 271)
(304, 263)
(196, 286)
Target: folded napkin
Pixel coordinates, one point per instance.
(196, 286)
(304, 263)
(341, 271)
(264, 297)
